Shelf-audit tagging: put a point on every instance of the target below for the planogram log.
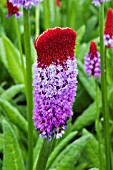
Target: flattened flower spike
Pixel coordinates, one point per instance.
(92, 61)
(55, 78)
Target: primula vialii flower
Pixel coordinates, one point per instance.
(108, 32)
(98, 2)
(92, 61)
(58, 3)
(25, 3)
(54, 82)
(12, 10)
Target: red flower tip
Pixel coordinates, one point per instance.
(58, 3)
(93, 48)
(11, 9)
(55, 45)
(109, 22)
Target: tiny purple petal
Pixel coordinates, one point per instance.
(18, 14)
(108, 41)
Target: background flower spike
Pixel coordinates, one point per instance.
(25, 3)
(98, 2)
(12, 10)
(108, 32)
(55, 81)
(92, 61)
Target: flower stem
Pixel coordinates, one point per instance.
(98, 126)
(44, 154)
(55, 14)
(104, 90)
(46, 9)
(28, 86)
(19, 45)
(37, 14)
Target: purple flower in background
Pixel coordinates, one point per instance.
(98, 2)
(92, 61)
(108, 31)
(12, 10)
(25, 3)
(55, 78)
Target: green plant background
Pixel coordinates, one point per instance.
(78, 148)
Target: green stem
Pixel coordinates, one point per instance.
(104, 90)
(19, 45)
(46, 9)
(44, 154)
(55, 14)
(98, 126)
(37, 20)
(28, 86)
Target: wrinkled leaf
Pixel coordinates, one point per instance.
(12, 155)
(14, 66)
(60, 147)
(67, 158)
(14, 115)
(12, 91)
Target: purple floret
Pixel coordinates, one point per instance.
(92, 65)
(25, 3)
(54, 92)
(98, 2)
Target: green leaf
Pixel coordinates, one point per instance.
(12, 155)
(12, 91)
(87, 117)
(1, 163)
(36, 152)
(89, 84)
(1, 142)
(67, 158)
(59, 148)
(14, 115)
(80, 34)
(14, 66)
(110, 95)
(91, 153)
(2, 54)
(82, 166)
(94, 169)
(80, 105)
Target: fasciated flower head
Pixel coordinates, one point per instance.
(108, 32)
(25, 3)
(92, 61)
(12, 10)
(99, 2)
(55, 81)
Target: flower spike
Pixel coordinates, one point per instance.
(25, 3)
(99, 2)
(12, 10)
(58, 3)
(108, 32)
(54, 82)
(92, 61)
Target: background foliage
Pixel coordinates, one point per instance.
(78, 148)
